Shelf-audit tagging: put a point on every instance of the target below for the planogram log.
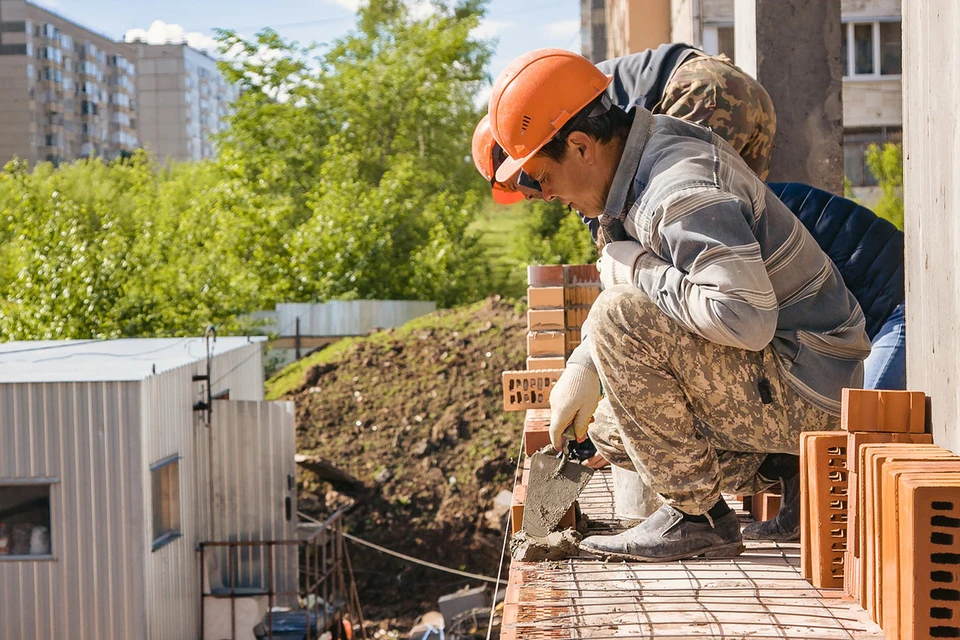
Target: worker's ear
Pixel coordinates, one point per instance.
(582, 145)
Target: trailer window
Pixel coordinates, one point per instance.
(25, 521)
(165, 484)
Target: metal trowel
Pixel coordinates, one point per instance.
(555, 483)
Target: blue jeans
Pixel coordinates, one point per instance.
(886, 366)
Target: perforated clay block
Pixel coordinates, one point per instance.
(928, 599)
(877, 508)
(806, 455)
(827, 496)
(886, 611)
(528, 389)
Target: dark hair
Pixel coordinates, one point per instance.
(613, 123)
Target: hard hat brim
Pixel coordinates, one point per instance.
(502, 196)
(511, 166)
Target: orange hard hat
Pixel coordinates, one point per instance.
(483, 157)
(534, 97)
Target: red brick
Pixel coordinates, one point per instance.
(545, 297)
(576, 316)
(546, 320)
(572, 340)
(825, 459)
(528, 389)
(516, 508)
(876, 507)
(892, 566)
(536, 418)
(546, 343)
(855, 440)
(929, 584)
(549, 362)
(771, 505)
(545, 275)
(582, 295)
(889, 411)
(575, 274)
(853, 576)
(535, 438)
(806, 455)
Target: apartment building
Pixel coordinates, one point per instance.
(68, 92)
(871, 59)
(183, 100)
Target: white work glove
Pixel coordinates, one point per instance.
(618, 262)
(573, 401)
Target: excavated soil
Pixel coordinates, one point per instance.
(415, 414)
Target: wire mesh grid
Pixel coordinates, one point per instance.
(759, 594)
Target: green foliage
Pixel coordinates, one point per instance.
(100, 251)
(553, 234)
(372, 144)
(886, 165)
(344, 173)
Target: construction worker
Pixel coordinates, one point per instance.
(723, 330)
(674, 79)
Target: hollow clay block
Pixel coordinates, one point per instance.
(828, 508)
(878, 507)
(890, 411)
(886, 611)
(928, 598)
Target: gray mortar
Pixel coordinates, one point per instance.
(555, 546)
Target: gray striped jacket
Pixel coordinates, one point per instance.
(730, 262)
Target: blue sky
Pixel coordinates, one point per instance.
(520, 25)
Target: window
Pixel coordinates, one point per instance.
(871, 49)
(25, 520)
(890, 48)
(165, 483)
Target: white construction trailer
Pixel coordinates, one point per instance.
(117, 459)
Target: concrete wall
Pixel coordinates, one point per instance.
(931, 79)
(871, 103)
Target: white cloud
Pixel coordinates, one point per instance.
(490, 28)
(563, 29)
(162, 33)
(483, 96)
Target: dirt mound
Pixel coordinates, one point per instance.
(415, 414)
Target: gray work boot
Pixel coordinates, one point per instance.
(665, 535)
(786, 526)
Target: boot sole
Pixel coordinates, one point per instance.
(731, 550)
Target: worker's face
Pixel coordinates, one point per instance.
(576, 180)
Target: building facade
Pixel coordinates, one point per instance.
(871, 61)
(68, 92)
(183, 101)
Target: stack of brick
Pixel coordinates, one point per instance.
(833, 526)
(559, 298)
(881, 515)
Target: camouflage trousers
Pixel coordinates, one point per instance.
(692, 417)
(713, 92)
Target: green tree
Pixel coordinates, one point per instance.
(553, 234)
(97, 250)
(370, 139)
(886, 165)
